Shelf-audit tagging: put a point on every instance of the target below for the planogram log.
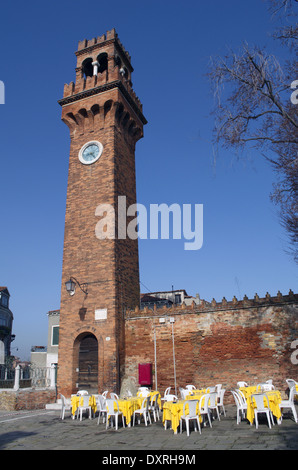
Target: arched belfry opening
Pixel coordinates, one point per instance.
(87, 362)
(102, 60)
(87, 68)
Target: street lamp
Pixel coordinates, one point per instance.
(71, 286)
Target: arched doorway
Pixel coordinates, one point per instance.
(88, 363)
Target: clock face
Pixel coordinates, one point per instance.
(90, 152)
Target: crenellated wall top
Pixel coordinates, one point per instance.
(225, 305)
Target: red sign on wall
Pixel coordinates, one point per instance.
(145, 374)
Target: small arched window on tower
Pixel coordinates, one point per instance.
(102, 60)
(87, 68)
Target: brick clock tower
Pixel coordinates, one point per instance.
(105, 120)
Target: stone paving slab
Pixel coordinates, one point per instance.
(44, 430)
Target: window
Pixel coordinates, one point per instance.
(4, 300)
(177, 298)
(55, 335)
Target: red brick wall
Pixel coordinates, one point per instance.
(28, 399)
(219, 343)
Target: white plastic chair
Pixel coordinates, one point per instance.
(184, 393)
(204, 408)
(218, 389)
(102, 408)
(220, 402)
(290, 403)
(261, 408)
(243, 401)
(265, 387)
(292, 383)
(84, 407)
(64, 406)
(143, 411)
(144, 391)
(105, 393)
(268, 386)
(191, 416)
(241, 406)
(212, 404)
(111, 412)
(114, 396)
(167, 391)
(190, 387)
(242, 384)
(170, 397)
(153, 407)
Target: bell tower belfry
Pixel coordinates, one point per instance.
(105, 120)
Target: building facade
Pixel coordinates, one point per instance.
(168, 298)
(6, 322)
(53, 337)
(47, 356)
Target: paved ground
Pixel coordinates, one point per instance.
(44, 430)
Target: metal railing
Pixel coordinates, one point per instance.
(7, 374)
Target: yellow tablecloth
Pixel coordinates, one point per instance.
(274, 398)
(248, 391)
(151, 394)
(173, 412)
(128, 406)
(77, 401)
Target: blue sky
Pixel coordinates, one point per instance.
(170, 43)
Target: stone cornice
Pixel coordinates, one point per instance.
(100, 89)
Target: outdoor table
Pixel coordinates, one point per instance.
(248, 391)
(151, 394)
(274, 398)
(127, 406)
(173, 411)
(77, 401)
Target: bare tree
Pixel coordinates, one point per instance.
(254, 108)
